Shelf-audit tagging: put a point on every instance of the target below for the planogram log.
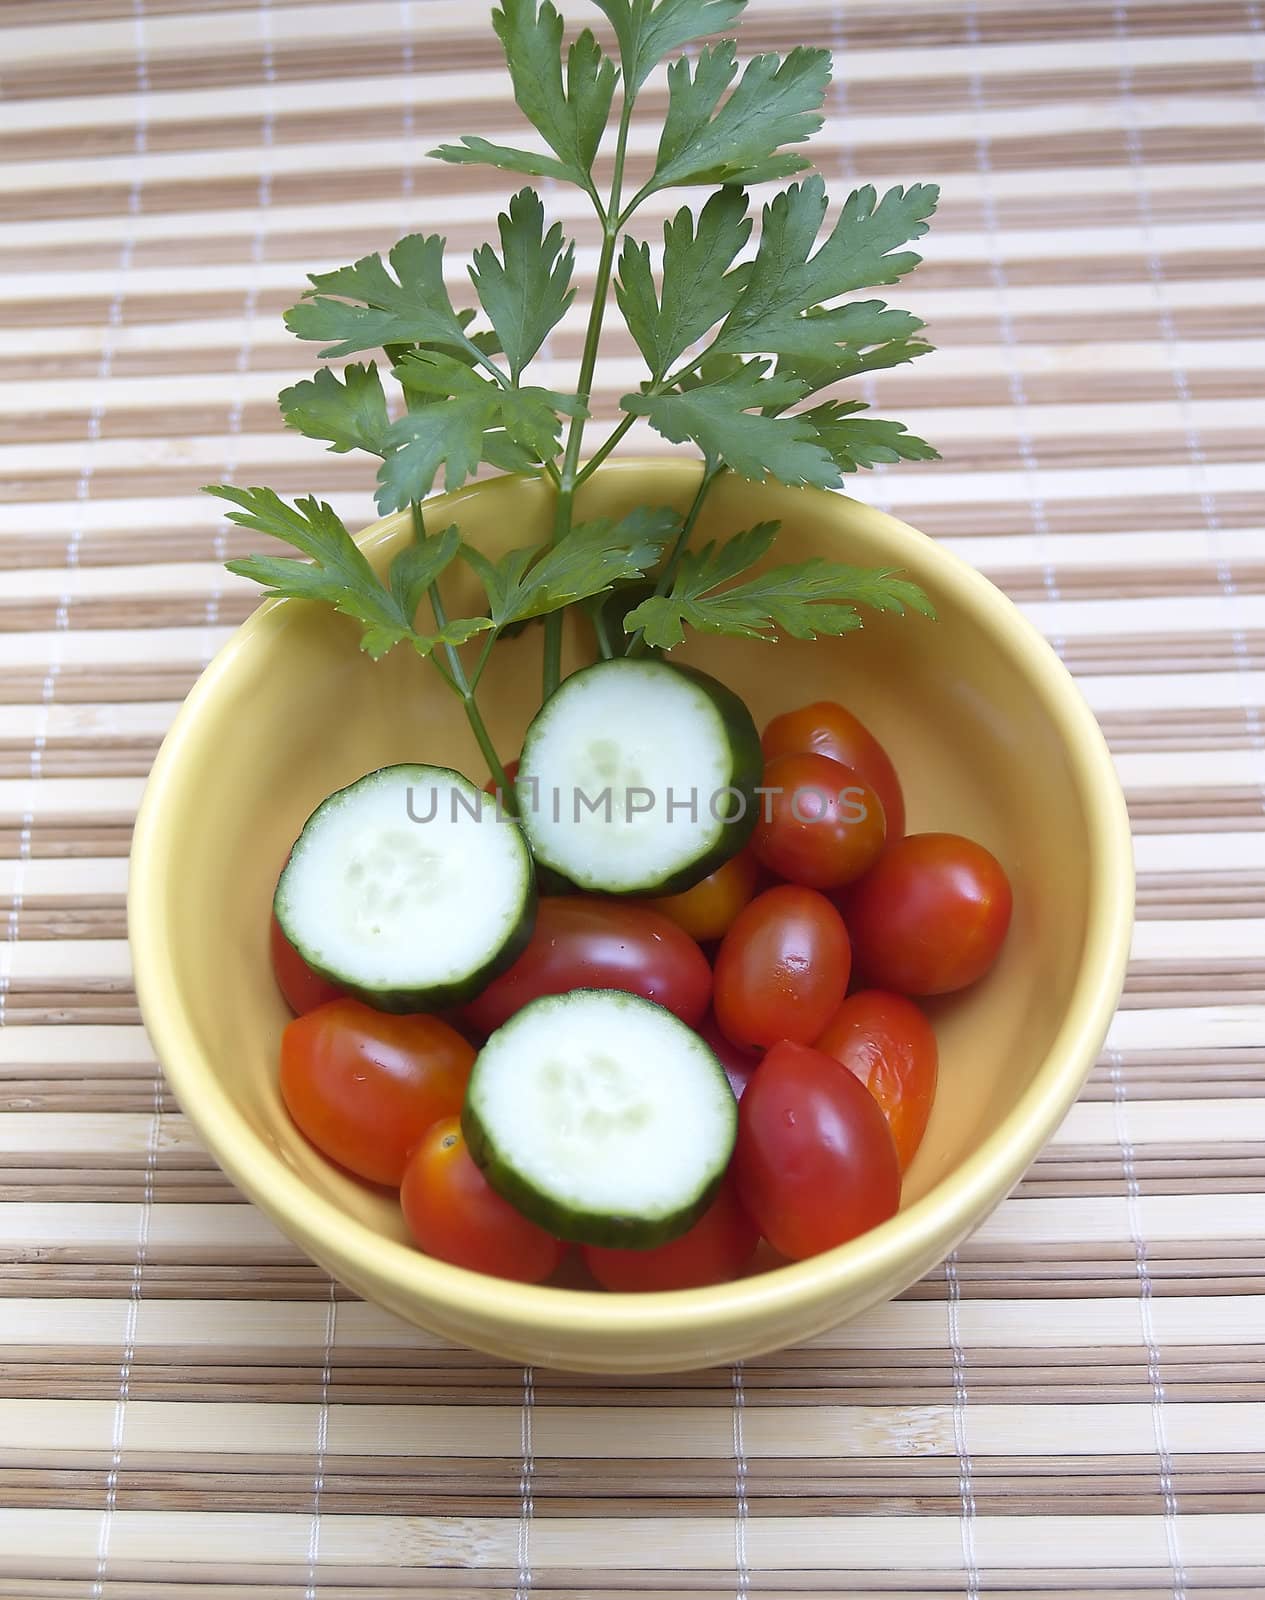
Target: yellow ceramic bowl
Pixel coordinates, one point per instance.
(990, 737)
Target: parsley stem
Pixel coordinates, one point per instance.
(457, 679)
(611, 223)
(604, 449)
(602, 634)
(484, 656)
(443, 672)
(659, 385)
(712, 471)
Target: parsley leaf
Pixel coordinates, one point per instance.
(458, 419)
(698, 287)
(376, 309)
(724, 419)
(339, 573)
(486, 342)
(647, 31)
(527, 293)
(859, 250)
(868, 336)
(351, 414)
(528, 582)
(570, 115)
(476, 152)
(418, 565)
(804, 600)
(854, 442)
(777, 101)
(779, 306)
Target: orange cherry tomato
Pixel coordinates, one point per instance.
(930, 916)
(891, 1047)
(454, 1215)
(715, 1250)
(364, 1086)
(819, 825)
(830, 730)
(782, 969)
(706, 911)
(815, 1162)
(301, 988)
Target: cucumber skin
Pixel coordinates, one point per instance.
(437, 997)
(549, 882)
(748, 754)
(748, 769)
(567, 1222)
(442, 996)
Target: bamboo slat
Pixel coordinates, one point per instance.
(1075, 1404)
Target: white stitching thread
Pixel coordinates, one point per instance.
(250, 305)
(407, 116)
(742, 1504)
(1015, 385)
(1146, 1316)
(526, 1482)
(961, 1440)
(322, 1443)
(129, 1337)
(114, 318)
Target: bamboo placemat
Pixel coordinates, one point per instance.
(1076, 1403)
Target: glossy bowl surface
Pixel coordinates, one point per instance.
(991, 739)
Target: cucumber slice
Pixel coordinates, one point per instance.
(638, 777)
(602, 1117)
(406, 889)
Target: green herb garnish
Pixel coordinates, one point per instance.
(736, 343)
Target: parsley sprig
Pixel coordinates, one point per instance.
(744, 347)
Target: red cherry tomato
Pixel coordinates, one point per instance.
(706, 911)
(364, 1086)
(782, 969)
(815, 1162)
(930, 915)
(738, 1063)
(583, 943)
(891, 1047)
(301, 988)
(819, 825)
(829, 730)
(715, 1250)
(455, 1216)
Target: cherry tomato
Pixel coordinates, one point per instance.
(706, 910)
(815, 1162)
(819, 825)
(365, 1086)
(782, 969)
(829, 730)
(891, 1047)
(930, 915)
(301, 988)
(589, 943)
(738, 1063)
(715, 1250)
(455, 1215)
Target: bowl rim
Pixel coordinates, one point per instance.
(938, 1220)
